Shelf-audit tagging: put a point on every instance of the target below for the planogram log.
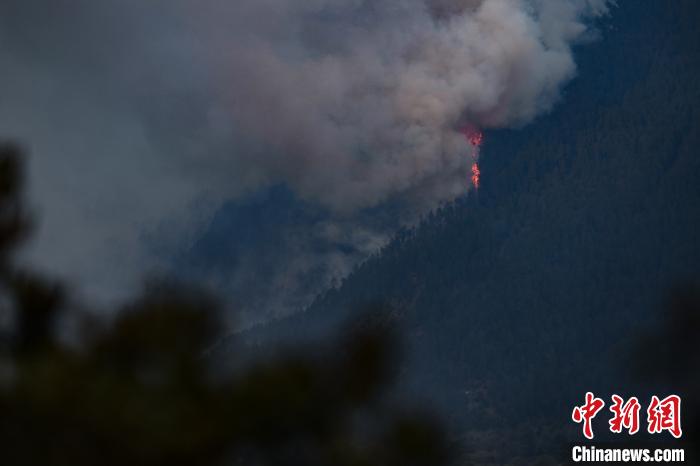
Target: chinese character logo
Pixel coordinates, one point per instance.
(662, 415)
(665, 415)
(587, 412)
(624, 415)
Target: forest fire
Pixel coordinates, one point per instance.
(476, 173)
(475, 138)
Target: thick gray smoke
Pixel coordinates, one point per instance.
(143, 116)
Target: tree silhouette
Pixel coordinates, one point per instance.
(668, 356)
(141, 390)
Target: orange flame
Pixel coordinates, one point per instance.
(475, 138)
(476, 174)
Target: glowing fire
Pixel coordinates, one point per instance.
(476, 173)
(475, 138)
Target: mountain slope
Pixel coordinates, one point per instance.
(518, 299)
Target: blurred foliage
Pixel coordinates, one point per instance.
(140, 390)
(667, 356)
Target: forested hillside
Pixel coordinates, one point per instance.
(518, 299)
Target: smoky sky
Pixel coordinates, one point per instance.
(143, 117)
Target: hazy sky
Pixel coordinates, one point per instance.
(143, 117)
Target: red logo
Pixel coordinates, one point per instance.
(662, 415)
(625, 415)
(587, 412)
(665, 415)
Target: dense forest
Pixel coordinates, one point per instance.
(518, 299)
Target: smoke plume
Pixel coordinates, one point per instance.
(143, 117)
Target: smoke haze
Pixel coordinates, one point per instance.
(142, 118)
